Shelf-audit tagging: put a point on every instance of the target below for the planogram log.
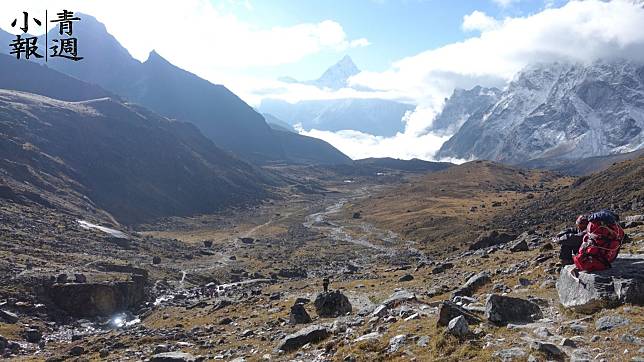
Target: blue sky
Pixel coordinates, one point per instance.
(395, 28)
(416, 51)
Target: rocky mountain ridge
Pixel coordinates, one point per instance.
(218, 113)
(558, 110)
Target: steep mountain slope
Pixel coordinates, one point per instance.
(374, 116)
(558, 110)
(217, 112)
(5, 40)
(276, 123)
(619, 187)
(581, 167)
(127, 160)
(31, 77)
(461, 105)
(301, 149)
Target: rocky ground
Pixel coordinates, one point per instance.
(247, 284)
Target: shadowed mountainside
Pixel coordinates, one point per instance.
(175, 93)
(127, 160)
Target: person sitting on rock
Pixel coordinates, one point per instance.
(570, 240)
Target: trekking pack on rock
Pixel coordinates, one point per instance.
(601, 242)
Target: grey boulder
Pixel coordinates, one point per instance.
(458, 327)
(332, 304)
(173, 357)
(310, 334)
(473, 284)
(590, 292)
(448, 311)
(502, 310)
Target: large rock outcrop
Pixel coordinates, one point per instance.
(623, 283)
(332, 304)
(310, 334)
(492, 238)
(98, 299)
(500, 309)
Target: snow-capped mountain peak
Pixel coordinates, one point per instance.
(337, 75)
(558, 110)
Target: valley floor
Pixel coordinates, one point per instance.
(223, 285)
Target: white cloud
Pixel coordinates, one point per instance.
(505, 3)
(580, 31)
(359, 145)
(478, 20)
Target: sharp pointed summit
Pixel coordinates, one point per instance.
(337, 75)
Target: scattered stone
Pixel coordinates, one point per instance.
(510, 354)
(396, 342)
(406, 278)
(173, 357)
(442, 268)
(292, 273)
(491, 238)
(567, 342)
(503, 310)
(542, 332)
(61, 278)
(77, 351)
(161, 348)
(32, 335)
(609, 322)
(368, 337)
(8, 317)
(310, 334)
(448, 311)
(629, 338)
(423, 341)
(473, 284)
(520, 245)
(622, 283)
(332, 304)
(225, 321)
(398, 298)
(549, 349)
(299, 315)
(458, 327)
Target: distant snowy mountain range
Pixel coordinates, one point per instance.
(374, 116)
(549, 111)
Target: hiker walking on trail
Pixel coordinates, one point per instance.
(570, 240)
